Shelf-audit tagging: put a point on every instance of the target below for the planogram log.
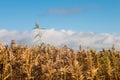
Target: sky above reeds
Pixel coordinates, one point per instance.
(97, 16)
(91, 23)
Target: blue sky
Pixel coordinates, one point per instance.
(98, 16)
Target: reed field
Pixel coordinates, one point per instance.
(46, 62)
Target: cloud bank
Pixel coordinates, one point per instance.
(20, 37)
(64, 37)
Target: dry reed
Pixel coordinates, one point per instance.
(46, 62)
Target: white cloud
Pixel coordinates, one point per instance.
(64, 37)
(70, 11)
(64, 11)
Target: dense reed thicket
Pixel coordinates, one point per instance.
(46, 62)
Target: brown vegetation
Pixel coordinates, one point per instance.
(46, 62)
